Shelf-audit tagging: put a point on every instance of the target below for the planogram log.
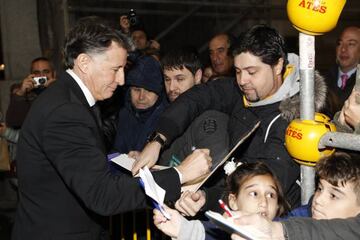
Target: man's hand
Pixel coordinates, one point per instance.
(50, 80)
(124, 24)
(351, 110)
(134, 154)
(259, 226)
(26, 86)
(169, 227)
(190, 203)
(147, 157)
(154, 44)
(196, 165)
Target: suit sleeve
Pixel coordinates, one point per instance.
(71, 142)
(18, 108)
(307, 228)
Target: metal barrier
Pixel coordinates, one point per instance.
(130, 225)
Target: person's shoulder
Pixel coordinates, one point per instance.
(57, 94)
(330, 74)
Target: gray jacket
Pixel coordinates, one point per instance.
(307, 228)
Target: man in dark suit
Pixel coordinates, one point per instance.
(341, 78)
(65, 186)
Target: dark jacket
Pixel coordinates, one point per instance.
(307, 228)
(337, 96)
(135, 126)
(224, 95)
(19, 106)
(65, 186)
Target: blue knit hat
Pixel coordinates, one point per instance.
(146, 73)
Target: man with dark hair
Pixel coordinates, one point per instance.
(266, 90)
(65, 185)
(24, 94)
(220, 54)
(341, 77)
(182, 71)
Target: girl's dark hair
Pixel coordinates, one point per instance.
(249, 170)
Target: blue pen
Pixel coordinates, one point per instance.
(155, 203)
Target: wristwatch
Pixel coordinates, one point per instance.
(156, 137)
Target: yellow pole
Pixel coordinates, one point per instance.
(122, 227)
(134, 226)
(148, 230)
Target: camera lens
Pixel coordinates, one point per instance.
(133, 20)
(42, 81)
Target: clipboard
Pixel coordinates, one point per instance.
(196, 184)
(228, 226)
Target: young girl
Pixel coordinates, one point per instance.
(251, 188)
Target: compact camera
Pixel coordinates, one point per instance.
(133, 18)
(40, 81)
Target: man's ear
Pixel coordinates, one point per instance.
(82, 61)
(279, 66)
(232, 202)
(198, 76)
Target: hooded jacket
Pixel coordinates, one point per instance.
(135, 125)
(275, 113)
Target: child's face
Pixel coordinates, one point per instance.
(334, 202)
(257, 195)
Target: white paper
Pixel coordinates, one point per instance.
(228, 225)
(153, 190)
(124, 161)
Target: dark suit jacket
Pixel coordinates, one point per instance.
(337, 96)
(65, 186)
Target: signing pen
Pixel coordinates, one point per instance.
(225, 208)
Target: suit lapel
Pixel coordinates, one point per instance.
(77, 95)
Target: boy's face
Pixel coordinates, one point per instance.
(334, 202)
(178, 81)
(257, 195)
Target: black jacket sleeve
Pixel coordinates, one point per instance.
(307, 228)
(217, 95)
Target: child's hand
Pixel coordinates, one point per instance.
(169, 227)
(351, 109)
(190, 203)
